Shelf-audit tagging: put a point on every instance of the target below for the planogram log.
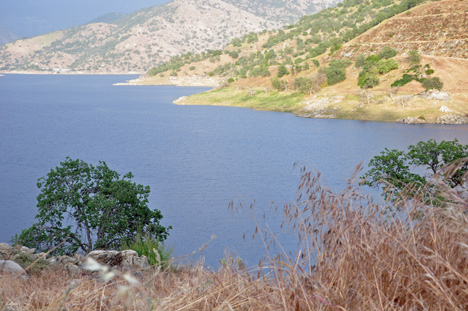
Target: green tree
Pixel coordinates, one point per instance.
(387, 52)
(414, 58)
(360, 61)
(432, 83)
(368, 79)
(90, 207)
(394, 170)
(278, 84)
(282, 71)
(335, 75)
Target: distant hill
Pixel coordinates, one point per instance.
(6, 36)
(138, 41)
(109, 18)
(377, 60)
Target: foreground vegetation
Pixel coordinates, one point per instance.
(353, 254)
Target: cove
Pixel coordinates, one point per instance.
(196, 159)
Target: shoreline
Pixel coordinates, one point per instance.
(319, 106)
(332, 106)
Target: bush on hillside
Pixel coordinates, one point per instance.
(388, 52)
(282, 71)
(335, 75)
(432, 83)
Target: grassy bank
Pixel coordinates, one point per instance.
(255, 98)
(350, 256)
(335, 104)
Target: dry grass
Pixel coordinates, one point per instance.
(352, 256)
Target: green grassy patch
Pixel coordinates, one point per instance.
(258, 99)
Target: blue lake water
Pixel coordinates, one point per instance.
(196, 159)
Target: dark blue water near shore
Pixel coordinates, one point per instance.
(196, 159)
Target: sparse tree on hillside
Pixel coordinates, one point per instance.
(360, 61)
(414, 58)
(388, 52)
(282, 71)
(432, 83)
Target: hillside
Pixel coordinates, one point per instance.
(290, 70)
(138, 41)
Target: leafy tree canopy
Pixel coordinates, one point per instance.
(394, 169)
(90, 207)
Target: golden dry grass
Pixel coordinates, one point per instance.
(351, 256)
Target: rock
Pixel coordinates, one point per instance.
(24, 256)
(131, 260)
(127, 259)
(6, 251)
(108, 258)
(445, 109)
(436, 95)
(453, 118)
(9, 266)
(411, 120)
(66, 260)
(27, 250)
(73, 269)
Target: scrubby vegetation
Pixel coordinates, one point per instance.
(421, 74)
(295, 48)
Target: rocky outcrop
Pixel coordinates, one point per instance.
(411, 120)
(127, 259)
(452, 118)
(436, 95)
(15, 259)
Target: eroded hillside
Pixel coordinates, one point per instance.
(437, 29)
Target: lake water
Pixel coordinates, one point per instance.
(196, 159)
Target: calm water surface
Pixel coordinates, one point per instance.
(196, 159)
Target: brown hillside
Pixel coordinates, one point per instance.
(436, 28)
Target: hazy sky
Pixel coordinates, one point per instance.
(28, 18)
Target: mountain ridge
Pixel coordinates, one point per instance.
(150, 36)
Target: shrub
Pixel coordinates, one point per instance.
(335, 75)
(407, 78)
(278, 84)
(282, 71)
(360, 61)
(385, 66)
(414, 58)
(388, 52)
(432, 83)
(154, 250)
(234, 54)
(368, 79)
